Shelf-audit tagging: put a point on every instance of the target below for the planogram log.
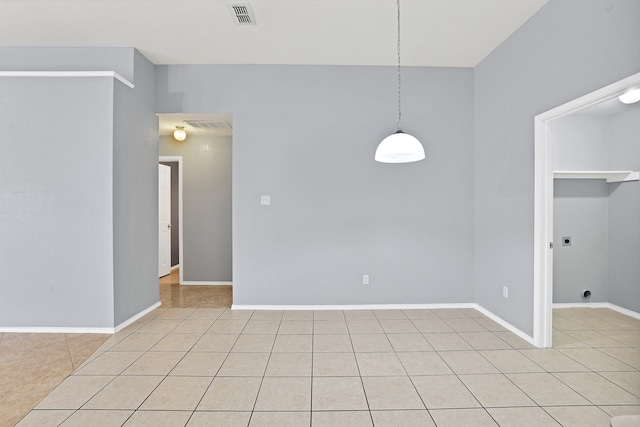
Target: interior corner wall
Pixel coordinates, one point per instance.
(56, 249)
(624, 209)
(135, 194)
(206, 198)
(306, 136)
(566, 50)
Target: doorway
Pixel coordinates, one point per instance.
(543, 202)
(175, 163)
(205, 193)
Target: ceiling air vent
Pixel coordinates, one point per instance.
(206, 125)
(242, 14)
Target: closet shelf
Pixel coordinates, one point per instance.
(610, 176)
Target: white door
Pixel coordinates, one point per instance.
(164, 219)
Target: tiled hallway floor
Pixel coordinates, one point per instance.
(446, 367)
(172, 294)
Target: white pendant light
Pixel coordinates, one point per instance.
(399, 147)
(179, 134)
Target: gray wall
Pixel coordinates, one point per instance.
(135, 194)
(206, 174)
(78, 193)
(624, 213)
(580, 143)
(175, 211)
(557, 56)
(56, 205)
(306, 136)
(581, 210)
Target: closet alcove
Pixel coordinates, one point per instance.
(596, 205)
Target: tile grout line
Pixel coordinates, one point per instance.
(255, 402)
(221, 364)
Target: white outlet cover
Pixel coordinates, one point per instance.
(265, 200)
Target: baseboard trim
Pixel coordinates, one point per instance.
(130, 320)
(352, 307)
(76, 330)
(199, 283)
(504, 324)
(54, 330)
(608, 305)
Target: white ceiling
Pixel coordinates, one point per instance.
(456, 33)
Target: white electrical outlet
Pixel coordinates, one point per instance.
(265, 200)
(505, 292)
(365, 279)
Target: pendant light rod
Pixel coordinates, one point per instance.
(399, 147)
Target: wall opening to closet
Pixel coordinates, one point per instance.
(586, 152)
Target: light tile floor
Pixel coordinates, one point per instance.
(32, 365)
(446, 367)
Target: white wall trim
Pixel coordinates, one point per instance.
(608, 305)
(67, 74)
(354, 307)
(130, 320)
(505, 324)
(55, 330)
(200, 283)
(175, 267)
(543, 203)
(178, 159)
(79, 330)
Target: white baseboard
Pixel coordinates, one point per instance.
(352, 307)
(608, 305)
(54, 330)
(504, 324)
(199, 283)
(130, 320)
(76, 330)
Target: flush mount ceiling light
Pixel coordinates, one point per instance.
(630, 97)
(179, 134)
(399, 147)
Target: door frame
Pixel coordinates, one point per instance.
(543, 203)
(178, 159)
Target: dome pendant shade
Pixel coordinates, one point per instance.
(399, 147)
